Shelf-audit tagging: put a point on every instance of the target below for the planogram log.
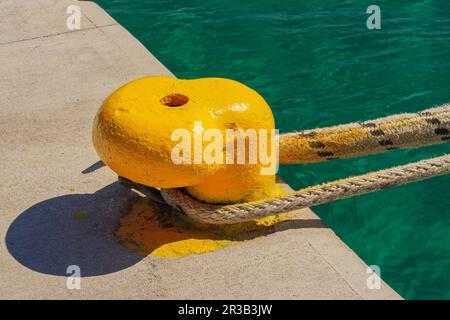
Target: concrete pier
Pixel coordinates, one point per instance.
(60, 207)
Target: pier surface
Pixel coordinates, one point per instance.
(60, 206)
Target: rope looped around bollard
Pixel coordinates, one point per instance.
(400, 131)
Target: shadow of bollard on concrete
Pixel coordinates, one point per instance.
(76, 229)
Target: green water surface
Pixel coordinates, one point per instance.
(317, 64)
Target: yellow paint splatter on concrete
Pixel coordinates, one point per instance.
(119, 262)
(151, 228)
(80, 215)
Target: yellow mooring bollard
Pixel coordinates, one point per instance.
(166, 132)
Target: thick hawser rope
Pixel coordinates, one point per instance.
(308, 197)
(357, 139)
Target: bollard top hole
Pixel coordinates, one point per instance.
(174, 100)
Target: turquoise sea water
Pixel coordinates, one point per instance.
(317, 64)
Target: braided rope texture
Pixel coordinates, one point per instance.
(308, 197)
(399, 131)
